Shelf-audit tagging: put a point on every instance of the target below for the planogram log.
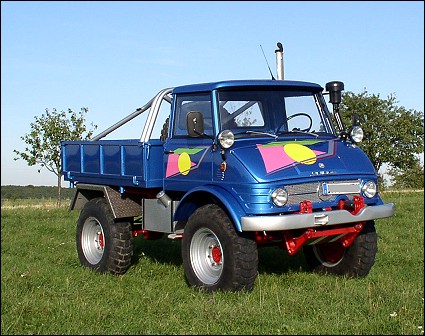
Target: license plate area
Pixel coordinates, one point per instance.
(338, 188)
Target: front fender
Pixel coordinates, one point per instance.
(208, 194)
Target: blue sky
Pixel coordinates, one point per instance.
(114, 56)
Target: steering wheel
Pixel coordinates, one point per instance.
(297, 129)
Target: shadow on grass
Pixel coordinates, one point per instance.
(271, 260)
(163, 250)
(275, 260)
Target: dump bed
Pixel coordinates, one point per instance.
(114, 162)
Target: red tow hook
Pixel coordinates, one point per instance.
(353, 206)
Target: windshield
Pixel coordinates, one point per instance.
(274, 112)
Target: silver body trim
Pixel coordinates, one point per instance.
(315, 219)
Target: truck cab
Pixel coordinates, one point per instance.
(267, 144)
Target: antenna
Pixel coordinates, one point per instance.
(267, 63)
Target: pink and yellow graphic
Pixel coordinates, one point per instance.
(180, 162)
(277, 155)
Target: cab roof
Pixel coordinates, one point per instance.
(278, 84)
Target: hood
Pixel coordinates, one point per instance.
(280, 160)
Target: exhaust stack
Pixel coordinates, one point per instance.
(279, 61)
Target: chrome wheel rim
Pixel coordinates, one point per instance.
(92, 240)
(206, 256)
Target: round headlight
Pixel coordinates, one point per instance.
(356, 134)
(369, 189)
(279, 197)
(226, 139)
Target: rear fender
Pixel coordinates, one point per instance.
(121, 207)
(208, 194)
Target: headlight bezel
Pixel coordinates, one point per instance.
(279, 197)
(356, 134)
(369, 189)
(226, 139)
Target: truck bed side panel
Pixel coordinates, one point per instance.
(114, 162)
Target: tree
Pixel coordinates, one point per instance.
(393, 134)
(413, 178)
(43, 142)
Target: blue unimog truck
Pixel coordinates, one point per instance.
(236, 165)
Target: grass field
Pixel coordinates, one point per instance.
(44, 290)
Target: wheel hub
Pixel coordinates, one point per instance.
(100, 241)
(216, 254)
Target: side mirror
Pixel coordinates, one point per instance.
(195, 123)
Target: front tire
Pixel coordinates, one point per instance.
(103, 244)
(354, 261)
(215, 256)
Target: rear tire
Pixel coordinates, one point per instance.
(215, 257)
(354, 261)
(103, 244)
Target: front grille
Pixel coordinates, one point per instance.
(312, 192)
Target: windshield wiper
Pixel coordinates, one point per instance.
(297, 131)
(260, 133)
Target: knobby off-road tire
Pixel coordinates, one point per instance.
(354, 261)
(215, 257)
(103, 244)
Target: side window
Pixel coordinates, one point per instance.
(188, 103)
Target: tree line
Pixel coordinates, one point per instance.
(13, 192)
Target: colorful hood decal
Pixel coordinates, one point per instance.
(285, 154)
(180, 162)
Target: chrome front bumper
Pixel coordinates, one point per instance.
(315, 219)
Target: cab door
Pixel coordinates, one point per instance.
(188, 159)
